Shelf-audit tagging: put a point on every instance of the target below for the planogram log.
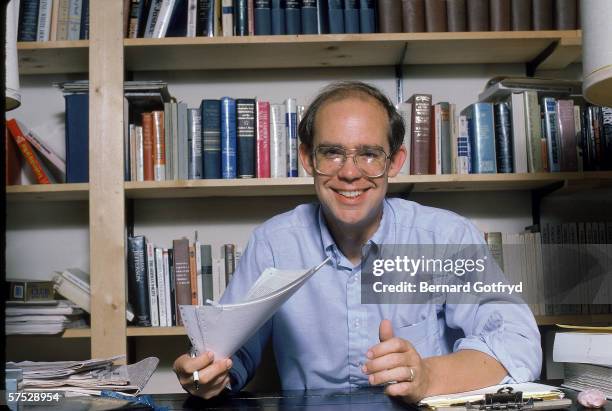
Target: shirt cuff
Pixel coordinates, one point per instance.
(238, 374)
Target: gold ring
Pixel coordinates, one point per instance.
(411, 374)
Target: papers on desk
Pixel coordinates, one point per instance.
(529, 389)
(223, 329)
(45, 317)
(85, 377)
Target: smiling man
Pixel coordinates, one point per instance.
(324, 337)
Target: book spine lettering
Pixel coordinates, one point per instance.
(195, 144)
(182, 276)
(161, 287)
(245, 125)
(263, 18)
(278, 140)
(27, 152)
(44, 20)
(421, 129)
(309, 16)
(292, 149)
(293, 17)
(28, 20)
(228, 138)
(148, 146)
(137, 281)
(263, 139)
(159, 146)
(152, 280)
(549, 106)
(211, 138)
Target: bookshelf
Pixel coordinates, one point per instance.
(106, 56)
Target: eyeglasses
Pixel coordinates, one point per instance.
(371, 161)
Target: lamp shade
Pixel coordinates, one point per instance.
(596, 16)
(12, 94)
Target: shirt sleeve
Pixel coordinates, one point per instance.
(504, 329)
(256, 258)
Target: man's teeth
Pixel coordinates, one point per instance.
(350, 194)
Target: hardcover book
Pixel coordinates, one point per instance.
(228, 138)
(138, 287)
(500, 15)
(435, 16)
(421, 130)
(481, 129)
(195, 144)
(521, 15)
(182, 276)
(456, 13)
(351, 16)
(292, 139)
(309, 16)
(77, 138)
(503, 138)
(549, 110)
(245, 131)
(263, 17)
(278, 140)
(211, 137)
(293, 17)
(277, 13)
(263, 139)
(336, 16)
(478, 15)
(389, 16)
(367, 16)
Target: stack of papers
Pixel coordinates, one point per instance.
(88, 377)
(46, 317)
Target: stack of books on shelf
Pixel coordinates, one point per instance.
(476, 15)
(53, 20)
(31, 308)
(587, 358)
(564, 267)
(160, 279)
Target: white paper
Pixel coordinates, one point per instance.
(223, 329)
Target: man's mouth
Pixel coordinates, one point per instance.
(350, 193)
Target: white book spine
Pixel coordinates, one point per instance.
(192, 16)
(438, 137)
(168, 288)
(463, 147)
(519, 133)
(163, 19)
(198, 258)
(44, 20)
(159, 169)
(132, 139)
(139, 154)
(43, 148)
(152, 17)
(153, 303)
(405, 110)
(278, 141)
(74, 19)
(300, 115)
(227, 17)
(161, 287)
(75, 279)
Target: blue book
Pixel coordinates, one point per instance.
(503, 138)
(177, 26)
(549, 108)
(277, 15)
(367, 16)
(210, 111)
(241, 17)
(293, 17)
(205, 21)
(263, 17)
(336, 16)
(481, 128)
(28, 20)
(322, 17)
(292, 139)
(309, 17)
(351, 16)
(228, 137)
(84, 28)
(245, 132)
(77, 138)
(138, 281)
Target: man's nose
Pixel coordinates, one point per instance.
(349, 170)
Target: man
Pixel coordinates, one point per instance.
(323, 336)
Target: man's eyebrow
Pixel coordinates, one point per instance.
(359, 147)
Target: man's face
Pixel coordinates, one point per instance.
(349, 198)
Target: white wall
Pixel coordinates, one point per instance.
(42, 237)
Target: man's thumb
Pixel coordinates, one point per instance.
(385, 332)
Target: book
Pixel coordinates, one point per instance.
(503, 138)
(154, 8)
(421, 130)
(84, 27)
(589, 346)
(262, 155)
(435, 16)
(56, 163)
(405, 110)
(230, 326)
(443, 133)
(278, 140)
(519, 132)
(293, 17)
(263, 17)
(568, 160)
(308, 12)
(277, 16)
(245, 137)
(521, 15)
(75, 8)
(193, 276)
(500, 15)
(456, 12)
(566, 12)
(170, 286)
(292, 138)
(77, 137)
(205, 20)
(162, 287)
(28, 20)
(336, 16)
(62, 20)
(13, 160)
(478, 15)
(28, 153)
(152, 282)
(241, 18)
(159, 146)
(182, 276)
(43, 31)
(229, 260)
(389, 16)
(195, 144)
(367, 16)
(211, 137)
(351, 16)
(138, 287)
(542, 12)
(148, 144)
(481, 129)
(179, 19)
(182, 141)
(227, 17)
(207, 272)
(197, 247)
(29, 290)
(228, 137)
(549, 112)
(192, 18)
(534, 132)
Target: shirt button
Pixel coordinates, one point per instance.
(356, 323)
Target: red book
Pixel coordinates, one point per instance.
(148, 146)
(263, 140)
(420, 131)
(193, 276)
(12, 160)
(28, 153)
(567, 135)
(432, 142)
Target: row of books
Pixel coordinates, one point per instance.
(225, 138)
(53, 20)
(564, 267)
(476, 15)
(160, 279)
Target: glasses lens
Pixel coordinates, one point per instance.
(371, 161)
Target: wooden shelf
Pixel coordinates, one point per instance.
(48, 192)
(266, 187)
(155, 331)
(51, 57)
(77, 333)
(346, 50)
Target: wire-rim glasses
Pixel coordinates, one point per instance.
(371, 161)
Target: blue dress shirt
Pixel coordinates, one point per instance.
(322, 333)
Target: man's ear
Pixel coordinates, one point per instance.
(397, 161)
(306, 159)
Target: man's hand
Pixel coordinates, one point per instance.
(394, 361)
(213, 375)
